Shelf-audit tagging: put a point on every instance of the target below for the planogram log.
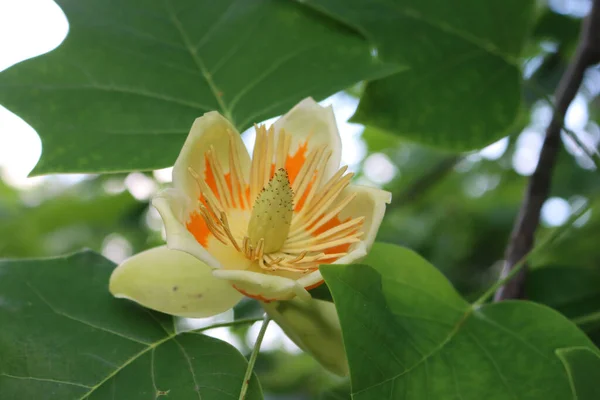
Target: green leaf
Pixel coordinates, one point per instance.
(583, 369)
(123, 89)
(340, 392)
(380, 141)
(409, 335)
(462, 89)
(64, 337)
(321, 292)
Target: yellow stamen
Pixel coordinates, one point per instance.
(236, 175)
(268, 156)
(224, 192)
(228, 231)
(307, 169)
(205, 190)
(257, 154)
(319, 175)
(333, 213)
(314, 199)
(325, 200)
(341, 230)
(281, 150)
(324, 246)
(214, 228)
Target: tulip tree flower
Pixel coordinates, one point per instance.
(257, 225)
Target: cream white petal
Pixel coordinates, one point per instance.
(311, 280)
(212, 129)
(369, 203)
(174, 208)
(314, 326)
(262, 286)
(309, 122)
(172, 282)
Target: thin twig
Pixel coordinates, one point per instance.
(592, 318)
(538, 189)
(592, 153)
(425, 182)
(542, 245)
(253, 356)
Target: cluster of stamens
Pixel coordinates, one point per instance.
(315, 230)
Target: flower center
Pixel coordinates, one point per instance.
(272, 213)
(295, 222)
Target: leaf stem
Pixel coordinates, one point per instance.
(550, 237)
(240, 321)
(253, 356)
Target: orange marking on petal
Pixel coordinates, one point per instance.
(253, 296)
(247, 192)
(342, 248)
(239, 202)
(228, 181)
(316, 285)
(211, 182)
(293, 163)
(197, 227)
(241, 197)
(304, 196)
(332, 223)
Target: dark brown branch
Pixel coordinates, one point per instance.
(538, 189)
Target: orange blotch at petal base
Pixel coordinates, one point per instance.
(316, 234)
(254, 296)
(294, 163)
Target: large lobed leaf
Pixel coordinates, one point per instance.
(122, 91)
(463, 86)
(64, 337)
(409, 335)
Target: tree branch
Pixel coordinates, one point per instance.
(538, 189)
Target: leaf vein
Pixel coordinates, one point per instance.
(124, 90)
(267, 72)
(198, 61)
(65, 315)
(51, 380)
(213, 28)
(484, 318)
(191, 367)
(494, 364)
